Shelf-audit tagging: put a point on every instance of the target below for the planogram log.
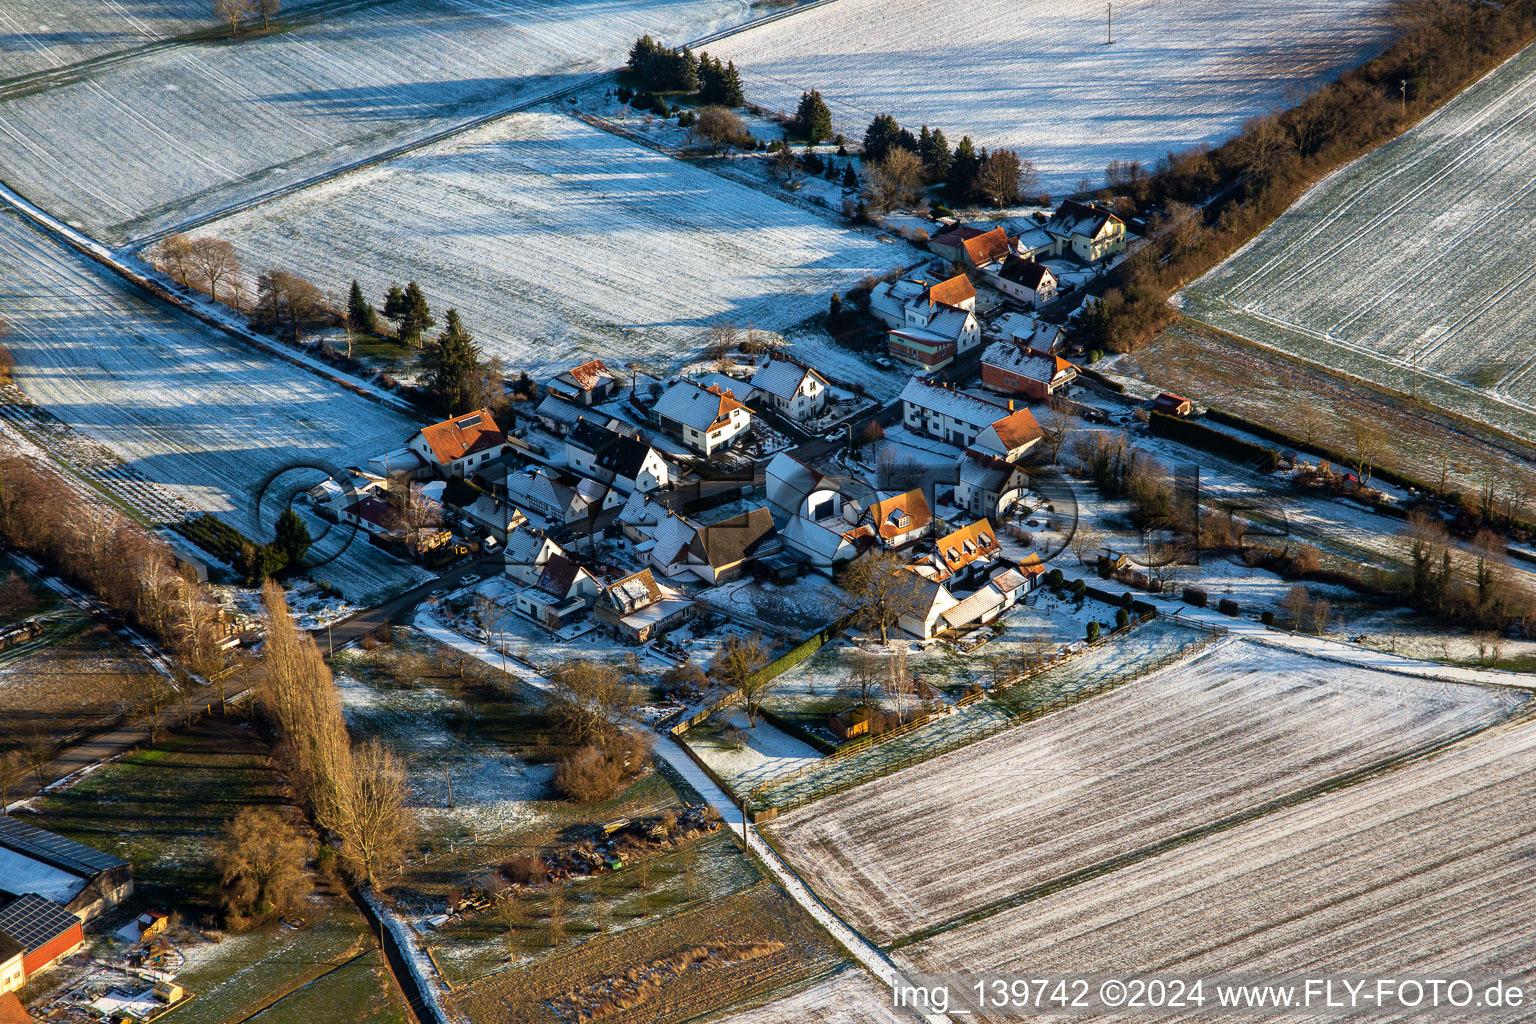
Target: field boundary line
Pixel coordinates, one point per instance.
(1523, 712)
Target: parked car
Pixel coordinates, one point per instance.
(468, 579)
(884, 363)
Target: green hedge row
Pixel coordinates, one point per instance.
(1197, 434)
(213, 535)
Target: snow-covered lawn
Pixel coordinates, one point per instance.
(764, 751)
(559, 242)
(36, 35)
(184, 407)
(146, 143)
(1218, 734)
(1420, 871)
(804, 605)
(1038, 77)
(1397, 268)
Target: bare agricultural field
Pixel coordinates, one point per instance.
(1420, 871)
(1397, 268)
(1233, 730)
(1037, 76)
(559, 241)
(185, 407)
(37, 35)
(143, 144)
(849, 997)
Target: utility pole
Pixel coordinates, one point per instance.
(1110, 38)
(1402, 87)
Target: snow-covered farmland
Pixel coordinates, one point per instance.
(37, 35)
(1037, 76)
(1216, 735)
(185, 407)
(1402, 268)
(172, 133)
(1420, 871)
(849, 997)
(559, 241)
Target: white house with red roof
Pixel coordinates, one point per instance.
(456, 445)
(1084, 231)
(587, 384)
(900, 519)
(705, 419)
(930, 323)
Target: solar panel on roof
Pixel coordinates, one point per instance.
(34, 922)
(54, 849)
(467, 422)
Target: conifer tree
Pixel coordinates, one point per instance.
(882, 134)
(361, 315)
(394, 305)
(292, 538)
(730, 86)
(963, 169)
(938, 159)
(850, 178)
(415, 316)
(813, 120)
(453, 378)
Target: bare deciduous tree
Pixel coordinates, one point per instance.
(1055, 427)
(590, 700)
(284, 299)
(1003, 177)
(173, 256)
(1368, 441)
(883, 590)
(261, 867)
(375, 825)
(894, 181)
(268, 9)
(737, 667)
(721, 128)
(234, 11)
(213, 260)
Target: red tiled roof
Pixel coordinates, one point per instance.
(956, 235)
(953, 292)
(589, 375)
(1018, 428)
(984, 248)
(965, 545)
(462, 435)
(912, 503)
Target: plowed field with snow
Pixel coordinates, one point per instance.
(559, 242)
(1037, 76)
(851, 996)
(1220, 734)
(185, 407)
(1425, 872)
(145, 143)
(37, 35)
(1409, 267)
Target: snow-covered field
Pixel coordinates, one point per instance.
(764, 753)
(1037, 76)
(849, 997)
(559, 242)
(36, 35)
(1219, 734)
(1399, 268)
(186, 408)
(1422, 871)
(269, 111)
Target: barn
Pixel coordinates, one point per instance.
(45, 931)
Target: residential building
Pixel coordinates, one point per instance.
(930, 324)
(985, 249)
(586, 385)
(816, 522)
(1014, 369)
(12, 974)
(945, 414)
(951, 244)
(1034, 243)
(528, 550)
(477, 500)
(989, 486)
(600, 451)
(963, 552)
(454, 446)
(925, 599)
(1026, 281)
(791, 389)
(975, 609)
(722, 551)
(706, 419)
(900, 519)
(639, 516)
(788, 482)
(1084, 231)
(84, 880)
(1011, 437)
(1029, 332)
(666, 545)
(564, 592)
(541, 493)
(639, 609)
(45, 931)
(558, 415)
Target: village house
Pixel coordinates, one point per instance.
(924, 600)
(900, 519)
(558, 416)
(791, 389)
(528, 550)
(483, 507)
(1011, 437)
(13, 974)
(962, 553)
(1087, 232)
(542, 494)
(1026, 281)
(989, 486)
(815, 521)
(563, 592)
(454, 446)
(665, 546)
(985, 249)
(723, 551)
(944, 414)
(601, 452)
(638, 609)
(706, 419)
(639, 516)
(1029, 332)
(586, 385)
(1014, 369)
(1034, 243)
(950, 245)
(930, 324)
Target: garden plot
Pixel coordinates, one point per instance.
(558, 241)
(271, 111)
(1221, 734)
(1396, 268)
(1038, 77)
(185, 408)
(1421, 871)
(38, 35)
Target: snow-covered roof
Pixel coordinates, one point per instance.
(1026, 330)
(1024, 362)
(698, 407)
(1032, 240)
(401, 460)
(20, 874)
(800, 532)
(788, 482)
(589, 376)
(672, 534)
(558, 410)
(974, 608)
(1007, 580)
(737, 389)
(641, 510)
(1025, 273)
(538, 487)
(1074, 218)
(986, 472)
(634, 592)
(782, 378)
(524, 545)
(957, 405)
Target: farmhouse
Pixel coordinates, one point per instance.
(587, 384)
(1086, 232)
(705, 419)
(453, 446)
(1011, 437)
(45, 931)
(1013, 369)
(792, 389)
(929, 324)
(610, 457)
(900, 519)
(989, 486)
(637, 608)
(945, 414)
(1026, 281)
(85, 881)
